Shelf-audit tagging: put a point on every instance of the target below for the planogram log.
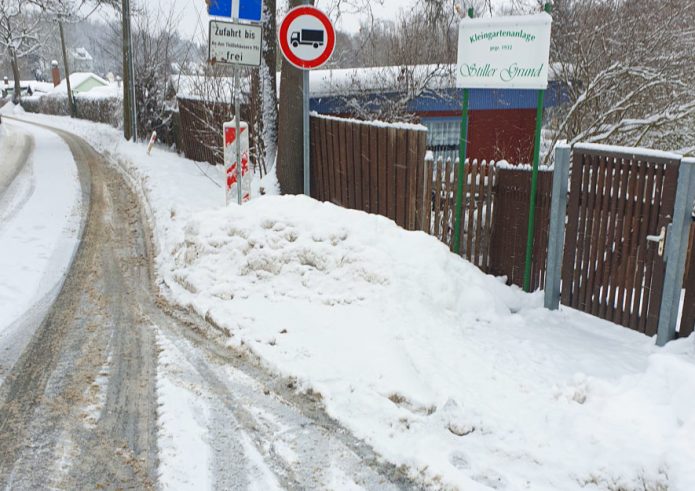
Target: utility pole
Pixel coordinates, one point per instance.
(130, 127)
(71, 100)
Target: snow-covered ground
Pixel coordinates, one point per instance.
(40, 213)
(468, 383)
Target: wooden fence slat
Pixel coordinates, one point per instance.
(357, 166)
(344, 177)
(640, 310)
(654, 263)
(583, 201)
(614, 285)
(616, 175)
(470, 203)
(590, 226)
(438, 199)
(374, 170)
(317, 161)
(337, 171)
(391, 174)
(633, 276)
(597, 285)
(366, 165)
(446, 232)
(411, 181)
(568, 260)
(624, 257)
(421, 141)
(401, 173)
(667, 203)
(383, 165)
(349, 167)
(482, 176)
(492, 173)
(427, 199)
(596, 244)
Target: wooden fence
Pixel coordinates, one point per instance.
(510, 226)
(200, 135)
(478, 189)
(610, 269)
(375, 168)
(382, 169)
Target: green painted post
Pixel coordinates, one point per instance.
(534, 191)
(463, 142)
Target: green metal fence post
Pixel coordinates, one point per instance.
(463, 142)
(534, 191)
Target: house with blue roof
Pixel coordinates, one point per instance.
(502, 122)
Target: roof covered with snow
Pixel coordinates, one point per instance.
(77, 79)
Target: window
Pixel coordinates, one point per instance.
(443, 133)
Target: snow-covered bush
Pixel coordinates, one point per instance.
(108, 110)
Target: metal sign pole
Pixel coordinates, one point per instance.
(307, 139)
(237, 119)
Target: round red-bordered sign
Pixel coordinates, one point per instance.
(300, 41)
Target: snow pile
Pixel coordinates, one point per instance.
(294, 248)
(436, 365)
(440, 368)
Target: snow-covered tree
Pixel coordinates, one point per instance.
(627, 66)
(156, 48)
(19, 21)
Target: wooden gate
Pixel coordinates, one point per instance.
(610, 269)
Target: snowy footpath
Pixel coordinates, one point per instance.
(40, 213)
(463, 381)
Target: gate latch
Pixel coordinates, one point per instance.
(661, 239)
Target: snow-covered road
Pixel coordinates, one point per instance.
(114, 388)
(443, 371)
(40, 220)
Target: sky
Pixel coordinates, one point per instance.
(194, 18)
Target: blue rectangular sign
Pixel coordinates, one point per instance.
(238, 9)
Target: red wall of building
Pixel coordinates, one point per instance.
(502, 134)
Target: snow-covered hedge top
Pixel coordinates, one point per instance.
(378, 124)
(636, 151)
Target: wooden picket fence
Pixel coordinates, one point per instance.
(477, 207)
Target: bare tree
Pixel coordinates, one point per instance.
(626, 67)
(155, 48)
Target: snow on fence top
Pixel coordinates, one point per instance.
(378, 124)
(634, 151)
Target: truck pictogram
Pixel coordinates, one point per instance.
(311, 37)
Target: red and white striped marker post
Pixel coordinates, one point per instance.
(153, 139)
(230, 163)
